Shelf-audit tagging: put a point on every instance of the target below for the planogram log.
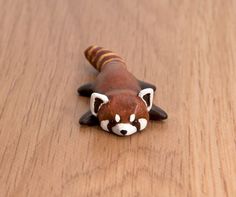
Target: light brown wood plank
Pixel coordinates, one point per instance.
(187, 48)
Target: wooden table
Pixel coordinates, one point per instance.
(186, 48)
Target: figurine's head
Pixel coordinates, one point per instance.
(122, 114)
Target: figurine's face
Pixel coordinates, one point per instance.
(122, 114)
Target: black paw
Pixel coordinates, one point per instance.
(89, 119)
(156, 113)
(85, 90)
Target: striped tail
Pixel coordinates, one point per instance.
(99, 56)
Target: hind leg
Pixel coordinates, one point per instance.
(86, 90)
(144, 85)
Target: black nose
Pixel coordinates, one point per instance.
(123, 132)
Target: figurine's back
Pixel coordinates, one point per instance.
(113, 77)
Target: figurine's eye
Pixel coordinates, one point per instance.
(135, 122)
(112, 122)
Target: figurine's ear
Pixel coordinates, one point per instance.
(147, 96)
(96, 101)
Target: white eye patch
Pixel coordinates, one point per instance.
(117, 118)
(143, 123)
(104, 124)
(132, 117)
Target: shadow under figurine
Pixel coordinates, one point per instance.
(119, 102)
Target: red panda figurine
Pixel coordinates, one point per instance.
(119, 102)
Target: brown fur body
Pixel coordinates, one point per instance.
(115, 81)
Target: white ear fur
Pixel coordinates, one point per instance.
(145, 92)
(103, 100)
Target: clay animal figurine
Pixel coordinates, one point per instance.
(119, 102)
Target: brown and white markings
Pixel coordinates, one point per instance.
(119, 102)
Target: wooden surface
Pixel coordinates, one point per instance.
(187, 48)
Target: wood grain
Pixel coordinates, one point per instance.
(187, 48)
